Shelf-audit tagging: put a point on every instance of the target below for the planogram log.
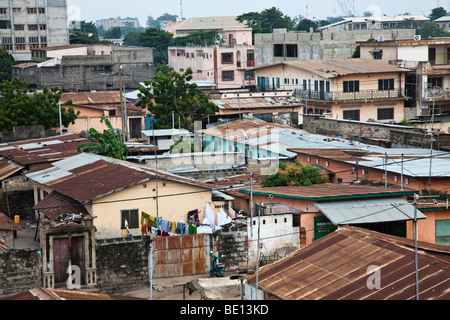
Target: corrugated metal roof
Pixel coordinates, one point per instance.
(40, 293)
(56, 204)
(96, 176)
(368, 211)
(42, 150)
(7, 224)
(8, 168)
(416, 162)
(335, 267)
(330, 191)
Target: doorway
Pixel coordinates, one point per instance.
(68, 251)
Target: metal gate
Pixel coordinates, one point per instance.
(181, 255)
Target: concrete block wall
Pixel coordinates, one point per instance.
(233, 248)
(20, 270)
(122, 262)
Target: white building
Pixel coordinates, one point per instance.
(29, 24)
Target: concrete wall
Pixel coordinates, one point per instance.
(122, 263)
(20, 270)
(325, 45)
(25, 132)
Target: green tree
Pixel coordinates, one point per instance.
(294, 174)
(198, 38)
(159, 40)
(171, 92)
(20, 106)
(437, 13)
(109, 143)
(131, 39)
(6, 62)
(113, 33)
(266, 20)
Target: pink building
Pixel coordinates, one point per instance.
(222, 64)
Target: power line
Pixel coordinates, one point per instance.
(239, 187)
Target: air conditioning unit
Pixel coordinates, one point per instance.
(380, 38)
(417, 37)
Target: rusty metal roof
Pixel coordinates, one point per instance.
(7, 224)
(335, 267)
(43, 150)
(8, 168)
(330, 191)
(56, 204)
(40, 293)
(86, 177)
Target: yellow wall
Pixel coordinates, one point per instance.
(172, 208)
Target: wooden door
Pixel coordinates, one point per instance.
(61, 259)
(77, 256)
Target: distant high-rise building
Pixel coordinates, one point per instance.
(107, 24)
(30, 24)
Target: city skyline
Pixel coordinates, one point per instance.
(141, 9)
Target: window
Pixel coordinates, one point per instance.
(286, 80)
(19, 27)
(20, 40)
(434, 82)
(3, 11)
(291, 50)
(42, 10)
(377, 54)
(227, 75)
(227, 58)
(32, 27)
(31, 10)
(278, 50)
(351, 114)
(132, 217)
(42, 27)
(386, 84)
(385, 113)
(351, 86)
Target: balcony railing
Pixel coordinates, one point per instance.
(339, 96)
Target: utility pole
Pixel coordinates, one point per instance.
(121, 101)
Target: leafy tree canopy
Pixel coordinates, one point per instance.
(6, 62)
(109, 143)
(20, 106)
(171, 91)
(437, 13)
(294, 174)
(266, 20)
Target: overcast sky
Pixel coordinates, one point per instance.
(91, 10)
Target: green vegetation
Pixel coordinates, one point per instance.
(109, 143)
(294, 174)
(171, 91)
(21, 106)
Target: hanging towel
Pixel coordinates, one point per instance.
(205, 227)
(222, 218)
(152, 221)
(192, 229)
(165, 225)
(172, 227)
(209, 215)
(158, 223)
(180, 228)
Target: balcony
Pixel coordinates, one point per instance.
(340, 96)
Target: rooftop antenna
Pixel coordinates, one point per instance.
(181, 9)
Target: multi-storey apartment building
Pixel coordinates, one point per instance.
(224, 63)
(30, 24)
(107, 24)
(353, 89)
